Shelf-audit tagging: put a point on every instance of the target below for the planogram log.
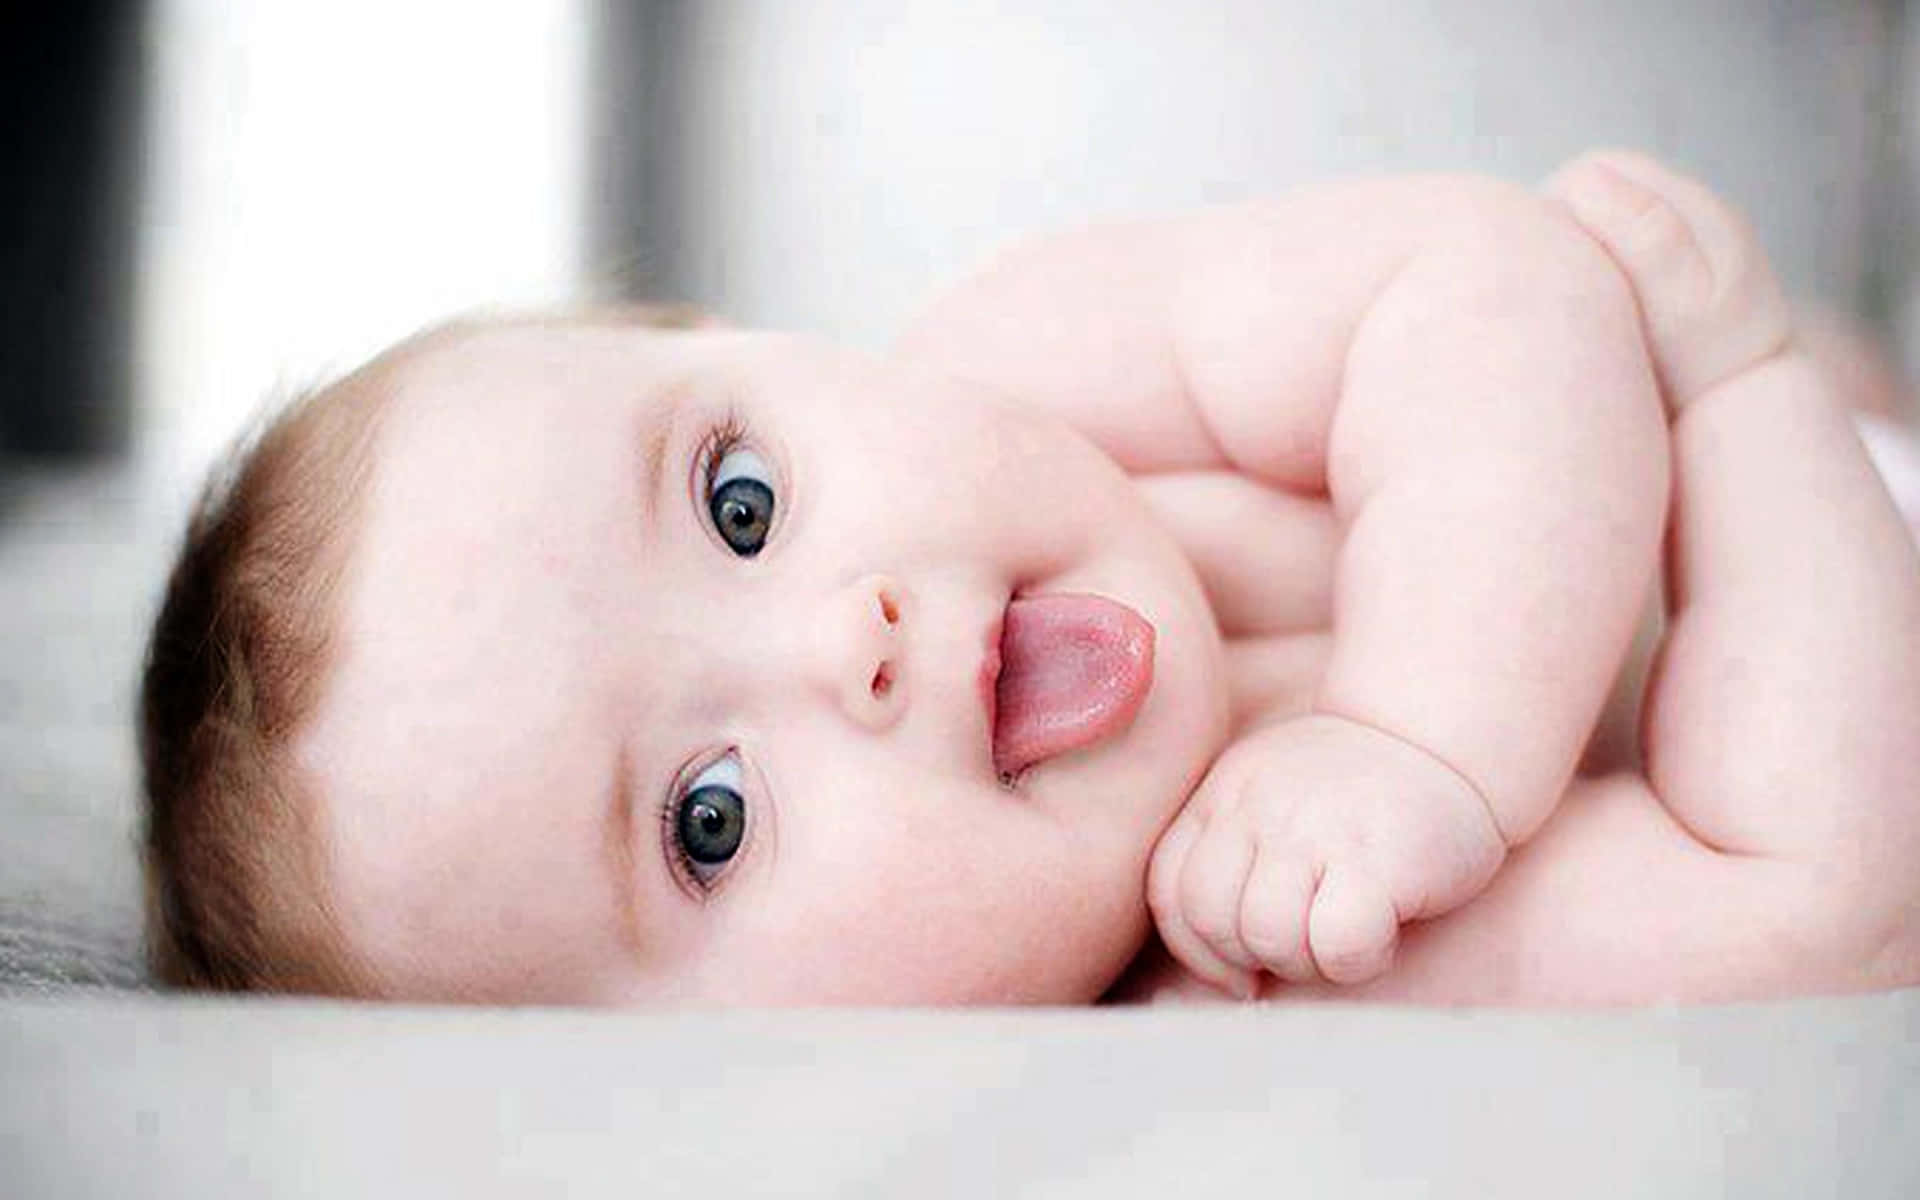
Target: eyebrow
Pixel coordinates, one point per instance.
(617, 831)
(663, 413)
(663, 410)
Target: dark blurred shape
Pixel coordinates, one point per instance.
(71, 87)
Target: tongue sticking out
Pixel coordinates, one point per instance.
(1073, 670)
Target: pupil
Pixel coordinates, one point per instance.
(742, 510)
(712, 821)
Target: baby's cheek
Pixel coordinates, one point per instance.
(936, 917)
(853, 952)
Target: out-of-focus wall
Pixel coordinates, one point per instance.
(325, 179)
(1894, 257)
(825, 165)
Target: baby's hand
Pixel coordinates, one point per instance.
(1306, 846)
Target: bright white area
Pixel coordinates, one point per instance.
(324, 179)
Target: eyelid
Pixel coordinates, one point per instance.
(732, 776)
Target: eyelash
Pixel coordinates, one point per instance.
(721, 440)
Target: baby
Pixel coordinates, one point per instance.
(1255, 579)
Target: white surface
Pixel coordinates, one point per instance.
(325, 179)
(179, 1098)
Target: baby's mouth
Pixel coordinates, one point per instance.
(1071, 669)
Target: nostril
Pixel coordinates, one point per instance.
(889, 608)
(882, 681)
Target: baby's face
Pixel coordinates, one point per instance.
(588, 743)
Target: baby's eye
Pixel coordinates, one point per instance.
(709, 819)
(740, 500)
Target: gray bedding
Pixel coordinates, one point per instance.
(153, 1096)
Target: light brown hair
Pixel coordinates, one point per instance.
(236, 895)
(240, 655)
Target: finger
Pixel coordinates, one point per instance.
(1163, 880)
(1710, 298)
(1273, 913)
(1164, 900)
(1211, 882)
(1352, 928)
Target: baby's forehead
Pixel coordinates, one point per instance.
(459, 374)
(462, 701)
(474, 358)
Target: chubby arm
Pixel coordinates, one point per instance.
(1458, 371)
(1451, 362)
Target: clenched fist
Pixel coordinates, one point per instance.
(1307, 845)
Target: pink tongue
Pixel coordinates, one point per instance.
(1073, 670)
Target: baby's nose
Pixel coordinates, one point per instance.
(859, 652)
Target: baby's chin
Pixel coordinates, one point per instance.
(1182, 724)
(1121, 795)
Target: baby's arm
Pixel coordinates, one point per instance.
(1459, 371)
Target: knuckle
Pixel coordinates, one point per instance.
(1659, 232)
(1269, 936)
(1348, 966)
(1736, 269)
(1613, 173)
(1193, 888)
(1218, 793)
(1344, 950)
(1209, 924)
(1703, 248)
(1639, 222)
(1212, 922)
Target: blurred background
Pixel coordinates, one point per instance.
(210, 204)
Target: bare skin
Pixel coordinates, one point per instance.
(1386, 465)
(548, 649)
(1766, 847)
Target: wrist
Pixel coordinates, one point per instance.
(1476, 812)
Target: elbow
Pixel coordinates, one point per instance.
(1533, 350)
(1509, 247)
(1502, 257)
